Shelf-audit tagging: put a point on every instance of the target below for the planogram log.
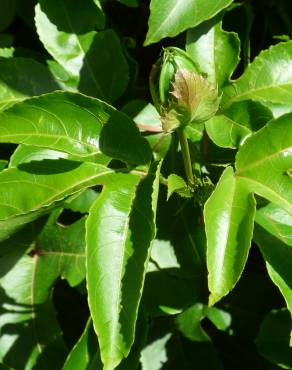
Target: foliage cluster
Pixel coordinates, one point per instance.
(138, 233)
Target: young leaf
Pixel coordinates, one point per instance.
(120, 228)
(267, 78)
(48, 181)
(177, 184)
(176, 16)
(67, 32)
(264, 160)
(216, 52)
(229, 216)
(65, 122)
(22, 78)
(196, 99)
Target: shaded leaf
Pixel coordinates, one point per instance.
(229, 216)
(7, 13)
(82, 354)
(273, 338)
(21, 78)
(17, 184)
(30, 335)
(189, 321)
(176, 16)
(120, 138)
(68, 33)
(63, 249)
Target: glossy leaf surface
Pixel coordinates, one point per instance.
(267, 78)
(229, 216)
(276, 221)
(120, 229)
(277, 255)
(265, 158)
(61, 121)
(215, 51)
(176, 16)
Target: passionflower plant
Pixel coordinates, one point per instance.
(181, 95)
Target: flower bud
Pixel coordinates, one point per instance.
(180, 93)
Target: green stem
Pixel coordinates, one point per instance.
(186, 155)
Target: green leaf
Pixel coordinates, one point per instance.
(120, 229)
(264, 160)
(61, 121)
(189, 322)
(49, 181)
(229, 216)
(68, 33)
(177, 184)
(21, 78)
(215, 52)
(267, 78)
(234, 125)
(131, 3)
(154, 355)
(196, 99)
(27, 312)
(195, 132)
(7, 13)
(176, 16)
(84, 350)
(277, 256)
(63, 249)
(82, 202)
(120, 138)
(273, 338)
(276, 221)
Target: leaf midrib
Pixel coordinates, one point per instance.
(262, 160)
(49, 201)
(237, 97)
